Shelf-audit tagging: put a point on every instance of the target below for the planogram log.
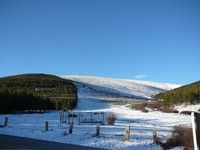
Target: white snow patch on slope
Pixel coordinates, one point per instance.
(89, 86)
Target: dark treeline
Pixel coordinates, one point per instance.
(20, 101)
(36, 92)
(185, 94)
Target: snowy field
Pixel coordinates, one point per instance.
(111, 137)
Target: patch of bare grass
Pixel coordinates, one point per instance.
(139, 106)
(154, 105)
(168, 110)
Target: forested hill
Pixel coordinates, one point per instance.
(36, 91)
(186, 94)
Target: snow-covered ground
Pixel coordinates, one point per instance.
(106, 88)
(186, 107)
(112, 137)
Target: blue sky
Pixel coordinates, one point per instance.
(156, 40)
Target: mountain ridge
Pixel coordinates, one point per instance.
(95, 87)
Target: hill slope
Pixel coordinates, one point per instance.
(189, 93)
(38, 86)
(106, 88)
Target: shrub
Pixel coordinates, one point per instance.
(181, 136)
(145, 110)
(150, 104)
(140, 106)
(111, 118)
(168, 110)
(154, 104)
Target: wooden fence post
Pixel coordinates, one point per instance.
(196, 129)
(97, 130)
(6, 121)
(68, 117)
(127, 132)
(70, 127)
(46, 126)
(61, 117)
(91, 118)
(103, 118)
(65, 116)
(72, 117)
(155, 139)
(79, 118)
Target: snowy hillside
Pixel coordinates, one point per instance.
(107, 88)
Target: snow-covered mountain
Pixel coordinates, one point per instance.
(108, 88)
